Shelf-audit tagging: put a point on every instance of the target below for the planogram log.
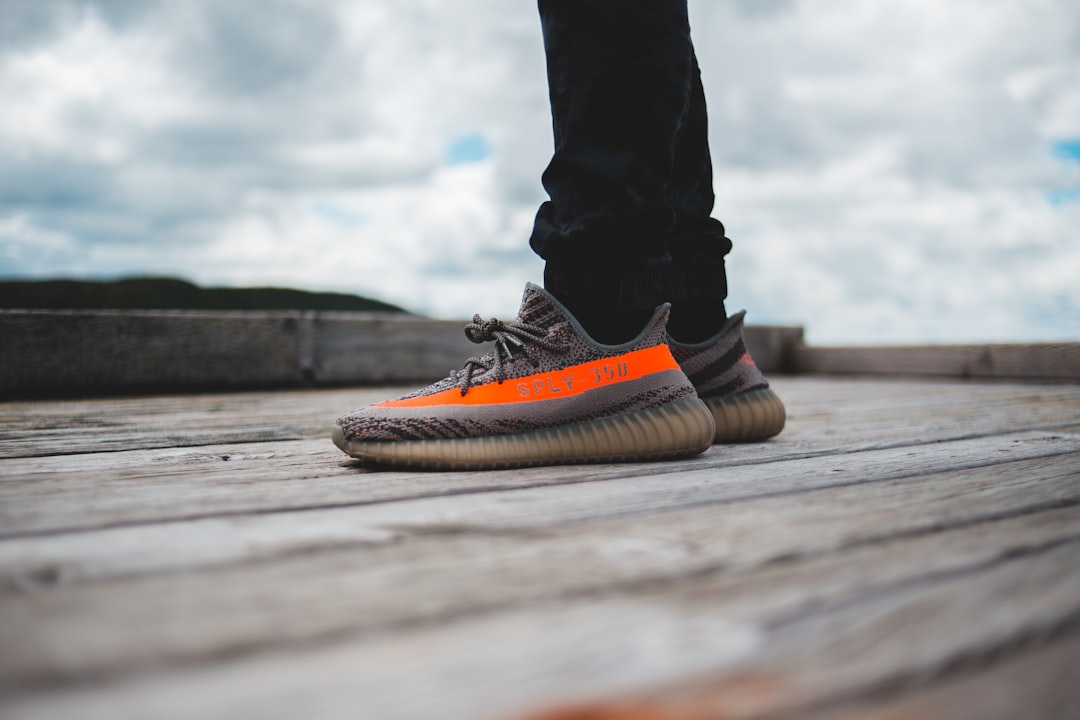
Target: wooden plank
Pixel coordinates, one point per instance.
(65, 352)
(1039, 683)
(49, 428)
(1035, 360)
(56, 352)
(923, 632)
(254, 479)
(773, 346)
(911, 660)
(78, 556)
(870, 411)
(469, 671)
(906, 514)
(819, 409)
(433, 570)
(348, 348)
(752, 657)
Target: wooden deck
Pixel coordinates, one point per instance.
(903, 550)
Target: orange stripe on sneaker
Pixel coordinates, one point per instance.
(568, 382)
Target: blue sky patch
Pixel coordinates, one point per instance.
(1060, 197)
(468, 149)
(1068, 149)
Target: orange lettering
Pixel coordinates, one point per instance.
(628, 366)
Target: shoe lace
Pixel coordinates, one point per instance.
(510, 338)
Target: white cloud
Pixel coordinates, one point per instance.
(85, 93)
(34, 248)
(885, 169)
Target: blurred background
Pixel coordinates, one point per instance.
(890, 172)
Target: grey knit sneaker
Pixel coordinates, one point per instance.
(546, 393)
(743, 405)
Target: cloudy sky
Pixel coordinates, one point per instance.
(894, 171)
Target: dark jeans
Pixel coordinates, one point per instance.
(630, 182)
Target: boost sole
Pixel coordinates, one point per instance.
(747, 417)
(681, 428)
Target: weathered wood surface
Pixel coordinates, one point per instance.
(65, 353)
(1031, 361)
(900, 546)
(60, 353)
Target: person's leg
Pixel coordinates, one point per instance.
(588, 371)
(620, 78)
(709, 346)
(696, 283)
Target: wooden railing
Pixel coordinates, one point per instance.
(58, 353)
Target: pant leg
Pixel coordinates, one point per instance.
(697, 243)
(620, 76)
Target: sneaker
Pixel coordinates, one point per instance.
(743, 405)
(545, 394)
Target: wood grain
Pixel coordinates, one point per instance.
(1037, 683)
(49, 353)
(311, 595)
(160, 546)
(900, 545)
(1032, 361)
(255, 480)
(498, 663)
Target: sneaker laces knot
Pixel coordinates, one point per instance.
(511, 339)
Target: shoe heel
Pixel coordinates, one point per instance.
(747, 417)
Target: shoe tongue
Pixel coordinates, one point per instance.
(539, 308)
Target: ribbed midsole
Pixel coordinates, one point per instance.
(677, 429)
(746, 417)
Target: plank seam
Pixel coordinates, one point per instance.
(1051, 427)
(38, 581)
(1012, 555)
(337, 636)
(500, 489)
(961, 664)
(43, 579)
